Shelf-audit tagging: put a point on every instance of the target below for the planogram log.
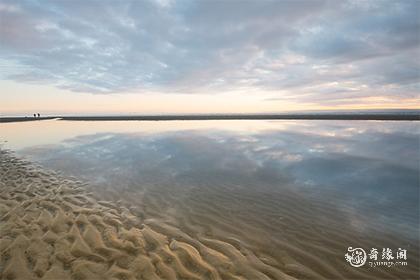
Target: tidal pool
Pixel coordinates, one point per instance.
(295, 194)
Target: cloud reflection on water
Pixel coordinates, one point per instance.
(369, 170)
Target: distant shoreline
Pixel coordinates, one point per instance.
(350, 116)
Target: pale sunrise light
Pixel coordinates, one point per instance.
(209, 139)
(171, 57)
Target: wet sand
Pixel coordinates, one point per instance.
(55, 227)
(52, 228)
(319, 116)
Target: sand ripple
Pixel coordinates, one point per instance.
(52, 228)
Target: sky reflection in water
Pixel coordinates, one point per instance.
(370, 170)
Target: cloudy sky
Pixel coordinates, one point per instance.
(164, 56)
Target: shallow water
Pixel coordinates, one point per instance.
(300, 190)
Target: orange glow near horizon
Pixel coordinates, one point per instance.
(23, 99)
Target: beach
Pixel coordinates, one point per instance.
(189, 140)
(380, 116)
(59, 227)
(52, 228)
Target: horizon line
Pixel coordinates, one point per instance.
(399, 115)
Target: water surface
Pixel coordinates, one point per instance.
(300, 190)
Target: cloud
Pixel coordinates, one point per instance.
(208, 47)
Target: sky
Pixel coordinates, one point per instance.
(201, 56)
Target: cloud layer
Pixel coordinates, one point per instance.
(324, 52)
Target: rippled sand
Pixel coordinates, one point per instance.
(52, 227)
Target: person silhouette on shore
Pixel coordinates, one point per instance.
(39, 115)
(34, 115)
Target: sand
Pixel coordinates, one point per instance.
(54, 227)
(382, 116)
